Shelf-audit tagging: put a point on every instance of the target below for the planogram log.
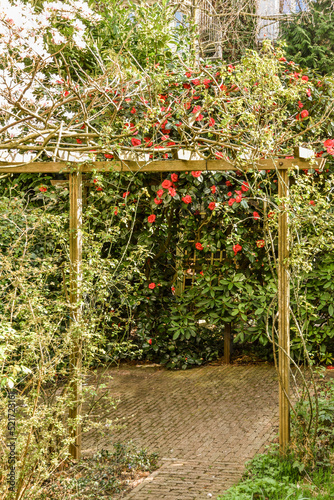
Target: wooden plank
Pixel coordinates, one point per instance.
(158, 166)
(227, 343)
(75, 184)
(283, 316)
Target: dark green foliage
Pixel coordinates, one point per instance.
(310, 37)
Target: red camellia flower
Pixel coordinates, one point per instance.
(151, 218)
(150, 341)
(304, 113)
(108, 155)
(197, 173)
(228, 183)
(312, 202)
(166, 184)
(135, 142)
(213, 189)
(212, 205)
(187, 199)
(245, 187)
(160, 192)
(174, 177)
(157, 202)
(231, 201)
(172, 192)
(260, 243)
(199, 246)
(152, 286)
(126, 194)
(237, 248)
(43, 189)
(238, 198)
(256, 215)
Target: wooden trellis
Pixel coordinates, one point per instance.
(75, 183)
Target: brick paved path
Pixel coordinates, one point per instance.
(204, 423)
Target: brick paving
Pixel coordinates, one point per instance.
(204, 423)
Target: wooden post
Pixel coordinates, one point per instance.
(283, 316)
(75, 184)
(227, 343)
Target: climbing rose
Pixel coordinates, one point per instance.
(304, 113)
(187, 199)
(213, 189)
(151, 218)
(157, 202)
(231, 201)
(126, 194)
(172, 192)
(166, 184)
(160, 192)
(43, 189)
(260, 243)
(212, 205)
(135, 142)
(256, 215)
(236, 248)
(199, 246)
(150, 341)
(152, 286)
(196, 174)
(174, 177)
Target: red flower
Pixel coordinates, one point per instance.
(188, 74)
(187, 199)
(152, 286)
(308, 92)
(148, 141)
(174, 177)
(312, 202)
(160, 192)
(150, 341)
(196, 81)
(199, 246)
(305, 78)
(282, 59)
(228, 183)
(213, 189)
(229, 193)
(116, 211)
(186, 85)
(196, 109)
(126, 194)
(238, 198)
(135, 142)
(66, 93)
(300, 104)
(172, 192)
(329, 143)
(231, 201)
(237, 248)
(127, 99)
(79, 141)
(238, 192)
(260, 243)
(166, 184)
(99, 188)
(43, 189)
(245, 187)
(304, 113)
(157, 202)
(133, 111)
(212, 121)
(151, 218)
(199, 118)
(196, 174)
(201, 272)
(230, 68)
(173, 289)
(212, 205)
(171, 143)
(256, 215)
(219, 156)
(108, 155)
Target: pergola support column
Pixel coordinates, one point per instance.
(283, 316)
(75, 185)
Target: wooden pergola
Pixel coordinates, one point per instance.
(75, 171)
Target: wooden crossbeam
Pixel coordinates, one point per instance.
(157, 166)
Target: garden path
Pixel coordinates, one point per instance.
(204, 423)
